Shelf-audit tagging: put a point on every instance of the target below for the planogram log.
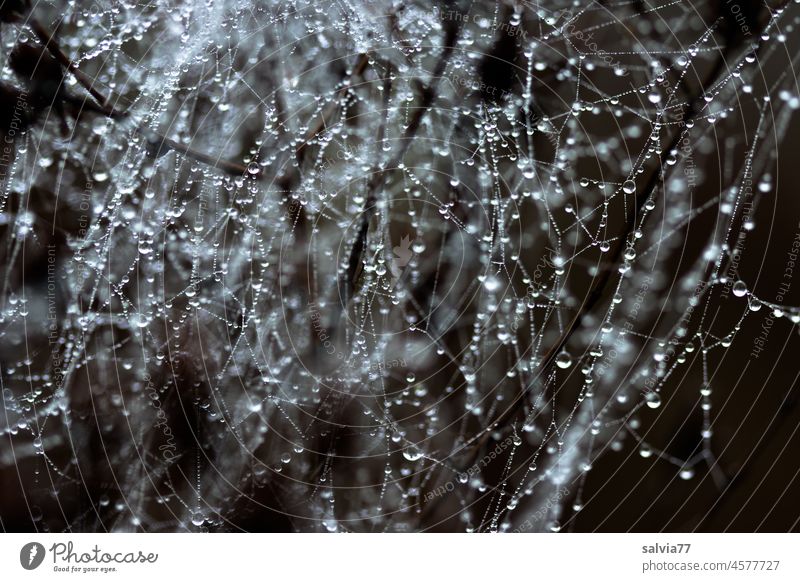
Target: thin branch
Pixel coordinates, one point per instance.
(600, 289)
(160, 141)
(47, 38)
(347, 282)
(656, 177)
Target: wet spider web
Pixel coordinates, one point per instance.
(399, 268)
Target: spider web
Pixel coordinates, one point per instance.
(432, 265)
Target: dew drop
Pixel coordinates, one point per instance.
(740, 289)
(653, 400)
(412, 454)
(491, 284)
(563, 359)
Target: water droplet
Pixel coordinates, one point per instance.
(563, 359)
(653, 399)
(412, 454)
(491, 284)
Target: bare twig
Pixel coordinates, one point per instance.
(349, 278)
(162, 142)
(320, 125)
(656, 177)
(48, 40)
(600, 289)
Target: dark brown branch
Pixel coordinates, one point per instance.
(320, 125)
(656, 177)
(48, 40)
(348, 280)
(601, 288)
(163, 143)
